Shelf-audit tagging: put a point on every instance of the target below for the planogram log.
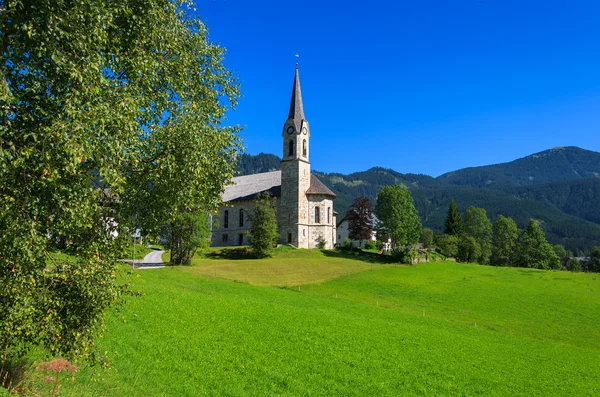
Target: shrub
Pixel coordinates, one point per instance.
(574, 265)
(370, 245)
(347, 243)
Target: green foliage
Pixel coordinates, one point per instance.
(370, 245)
(248, 164)
(562, 254)
(469, 249)
(448, 245)
(420, 318)
(125, 95)
(347, 243)
(534, 251)
(593, 264)
(427, 238)
(187, 233)
(477, 224)
(263, 226)
(398, 216)
(504, 242)
(453, 224)
(573, 265)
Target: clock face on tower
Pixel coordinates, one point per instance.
(304, 130)
(290, 129)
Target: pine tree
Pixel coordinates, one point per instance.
(453, 224)
(263, 226)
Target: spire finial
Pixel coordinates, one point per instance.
(297, 56)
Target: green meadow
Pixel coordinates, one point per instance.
(353, 327)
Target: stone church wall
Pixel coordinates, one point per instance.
(233, 229)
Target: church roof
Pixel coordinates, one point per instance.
(318, 187)
(296, 108)
(247, 187)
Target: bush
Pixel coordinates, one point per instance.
(370, 245)
(347, 243)
(574, 265)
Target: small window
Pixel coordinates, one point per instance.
(304, 148)
(291, 147)
(225, 237)
(241, 217)
(241, 239)
(289, 238)
(317, 217)
(226, 219)
(328, 215)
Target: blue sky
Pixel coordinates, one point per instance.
(416, 86)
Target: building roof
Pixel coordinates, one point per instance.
(318, 187)
(247, 187)
(296, 108)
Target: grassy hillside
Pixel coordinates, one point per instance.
(396, 330)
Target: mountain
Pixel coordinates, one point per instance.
(558, 164)
(559, 187)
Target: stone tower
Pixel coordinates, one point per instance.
(295, 173)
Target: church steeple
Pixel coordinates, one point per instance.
(296, 132)
(296, 108)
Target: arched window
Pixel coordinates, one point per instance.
(304, 148)
(328, 215)
(317, 220)
(226, 219)
(291, 147)
(241, 217)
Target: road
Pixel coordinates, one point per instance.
(151, 261)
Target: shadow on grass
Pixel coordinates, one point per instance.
(369, 257)
(230, 254)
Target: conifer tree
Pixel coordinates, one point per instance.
(453, 224)
(263, 226)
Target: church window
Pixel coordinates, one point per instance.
(317, 220)
(226, 219)
(304, 148)
(328, 215)
(304, 232)
(291, 147)
(289, 238)
(241, 217)
(225, 237)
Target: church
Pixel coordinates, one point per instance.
(304, 205)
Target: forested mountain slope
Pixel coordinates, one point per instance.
(558, 164)
(569, 209)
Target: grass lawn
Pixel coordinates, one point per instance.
(360, 334)
(288, 267)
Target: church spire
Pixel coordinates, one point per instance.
(296, 108)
